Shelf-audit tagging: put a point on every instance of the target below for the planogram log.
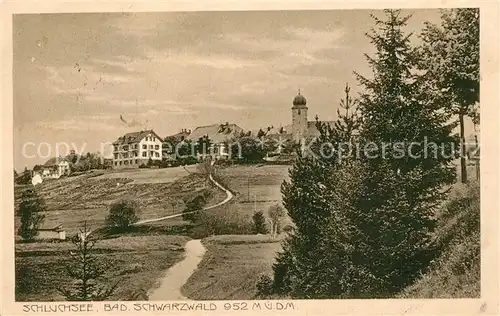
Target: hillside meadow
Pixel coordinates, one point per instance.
(135, 262)
(72, 200)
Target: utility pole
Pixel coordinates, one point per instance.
(248, 186)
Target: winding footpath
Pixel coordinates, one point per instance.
(176, 276)
(228, 198)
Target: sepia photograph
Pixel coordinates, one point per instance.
(247, 155)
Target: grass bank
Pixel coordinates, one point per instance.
(231, 267)
(456, 272)
(136, 261)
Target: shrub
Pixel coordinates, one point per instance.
(221, 222)
(264, 286)
(259, 223)
(195, 203)
(276, 214)
(29, 210)
(123, 214)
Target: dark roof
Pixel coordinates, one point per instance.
(134, 137)
(180, 136)
(299, 101)
(57, 228)
(217, 133)
(54, 161)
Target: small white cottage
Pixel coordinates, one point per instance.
(55, 233)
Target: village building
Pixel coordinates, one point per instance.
(134, 149)
(220, 136)
(54, 168)
(54, 233)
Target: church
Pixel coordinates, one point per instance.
(301, 128)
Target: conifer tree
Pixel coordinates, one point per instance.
(87, 270)
(363, 223)
(450, 60)
(411, 164)
(299, 270)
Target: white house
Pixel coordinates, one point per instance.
(54, 168)
(52, 233)
(134, 149)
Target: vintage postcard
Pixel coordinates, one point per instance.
(223, 158)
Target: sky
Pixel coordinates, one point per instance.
(74, 75)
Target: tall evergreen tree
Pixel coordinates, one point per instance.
(299, 270)
(363, 225)
(450, 59)
(404, 121)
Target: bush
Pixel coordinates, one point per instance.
(221, 222)
(30, 209)
(259, 223)
(123, 214)
(194, 204)
(264, 286)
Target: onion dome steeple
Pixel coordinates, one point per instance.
(299, 101)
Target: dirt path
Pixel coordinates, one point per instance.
(228, 198)
(177, 276)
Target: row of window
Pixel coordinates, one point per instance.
(144, 154)
(136, 146)
(127, 162)
(151, 138)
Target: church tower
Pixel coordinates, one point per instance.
(299, 117)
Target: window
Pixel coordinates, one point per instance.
(157, 147)
(116, 156)
(125, 155)
(154, 139)
(150, 146)
(116, 148)
(157, 155)
(144, 146)
(126, 162)
(131, 162)
(120, 163)
(144, 154)
(136, 161)
(116, 163)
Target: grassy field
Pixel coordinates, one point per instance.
(137, 262)
(256, 186)
(142, 176)
(72, 200)
(231, 267)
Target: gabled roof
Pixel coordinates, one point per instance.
(57, 228)
(312, 130)
(134, 137)
(217, 133)
(53, 161)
